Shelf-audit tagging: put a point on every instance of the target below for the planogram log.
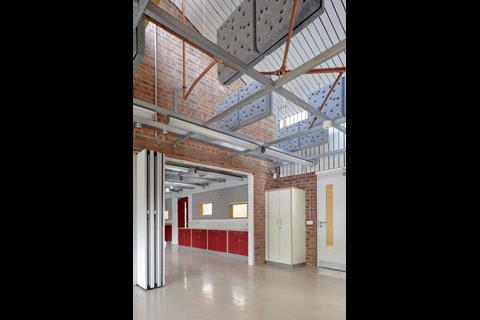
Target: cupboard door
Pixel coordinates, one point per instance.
(273, 226)
(212, 240)
(243, 243)
(285, 226)
(222, 240)
(233, 242)
(194, 238)
(181, 234)
(202, 239)
(188, 237)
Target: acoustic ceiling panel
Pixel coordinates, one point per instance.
(256, 28)
(252, 112)
(230, 121)
(334, 107)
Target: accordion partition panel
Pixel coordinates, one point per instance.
(150, 221)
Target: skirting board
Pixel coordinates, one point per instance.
(286, 265)
(218, 253)
(332, 273)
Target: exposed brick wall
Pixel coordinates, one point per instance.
(201, 105)
(307, 182)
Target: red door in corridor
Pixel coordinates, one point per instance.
(182, 206)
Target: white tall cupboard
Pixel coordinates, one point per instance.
(285, 226)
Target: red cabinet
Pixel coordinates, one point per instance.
(185, 237)
(243, 243)
(168, 232)
(181, 237)
(233, 243)
(199, 239)
(217, 240)
(238, 242)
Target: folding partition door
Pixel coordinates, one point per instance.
(150, 228)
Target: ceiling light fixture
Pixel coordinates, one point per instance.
(285, 156)
(144, 113)
(218, 175)
(182, 184)
(177, 168)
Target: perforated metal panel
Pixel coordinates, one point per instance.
(252, 112)
(313, 139)
(335, 105)
(273, 19)
(316, 138)
(258, 27)
(257, 110)
(230, 121)
(237, 36)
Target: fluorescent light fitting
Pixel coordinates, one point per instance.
(144, 113)
(211, 133)
(219, 175)
(285, 156)
(175, 168)
(181, 184)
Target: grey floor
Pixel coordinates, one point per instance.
(207, 286)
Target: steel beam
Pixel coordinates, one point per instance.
(313, 71)
(140, 46)
(274, 142)
(173, 25)
(177, 131)
(137, 15)
(312, 63)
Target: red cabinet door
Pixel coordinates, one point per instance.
(188, 237)
(243, 243)
(168, 232)
(181, 237)
(221, 241)
(199, 239)
(233, 244)
(194, 238)
(212, 239)
(202, 239)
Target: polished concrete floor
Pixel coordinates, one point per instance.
(207, 286)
